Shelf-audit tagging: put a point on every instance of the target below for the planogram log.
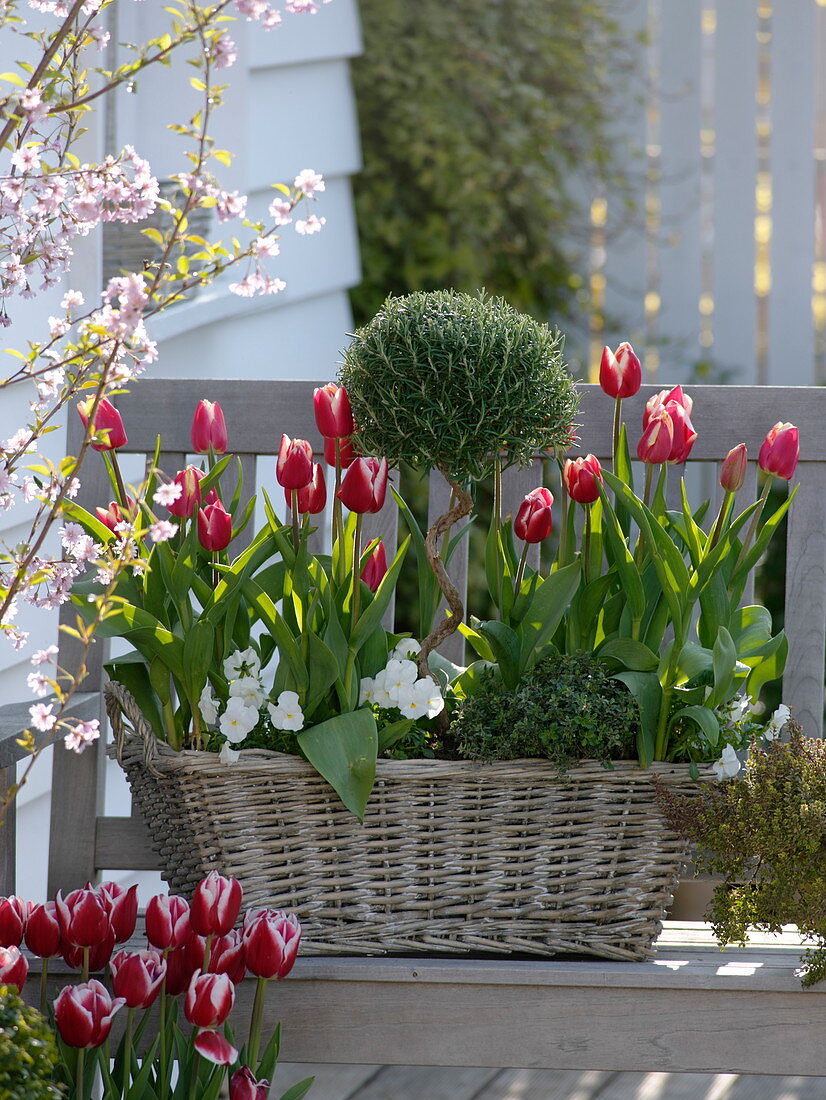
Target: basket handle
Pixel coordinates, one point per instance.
(121, 707)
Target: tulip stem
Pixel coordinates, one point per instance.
(124, 499)
(44, 978)
(755, 519)
(496, 520)
(163, 1041)
(127, 1049)
(79, 1084)
(296, 519)
(616, 433)
(84, 973)
(338, 521)
(256, 1020)
(725, 510)
(520, 572)
(586, 544)
(356, 600)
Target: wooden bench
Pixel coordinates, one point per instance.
(692, 1008)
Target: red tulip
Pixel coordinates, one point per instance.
(113, 515)
(189, 480)
(137, 976)
(655, 444)
(99, 953)
(123, 909)
(228, 956)
(780, 451)
(534, 520)
(294, 466)
(333, 414)
(346, 452)
(107, 424)
(83, 916)
(364, 486)
(620, 373)
(83, 1014)
(312, 497)
(209, 999)
(733, 470)
(243, 1086)
(684, 433)
(43, 931)
(662, 399)
(13, 968)
(271, 940)
(214, 527)
(181, 964)
(215, 905)
(209, 428)
(582, 477)
(167, 921)
(14, 912)
(375, 567)
(215, 1048)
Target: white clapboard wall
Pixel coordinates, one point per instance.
(723, 134)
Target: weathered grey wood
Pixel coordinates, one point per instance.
(571, 1084)
(14, 718)
(517, 482)
(8, 834)
(124, 843)
(331, 1082)
(401, 1082)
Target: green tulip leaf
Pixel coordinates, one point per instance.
(131, 670)
(343, 750)
(629, 654)
(646, 689)
(198, 651)
(724, 666)
(370, 619)
(393, 732)
(504, 643)
(545, 613)
(703, 718)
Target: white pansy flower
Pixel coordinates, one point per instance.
(420, 699)
(237, 720)
(208, 706)
(249, 689)
(243, 662)
(286, 713)
(434, 702)
(228, 755)
(367, 688)
(737, 708)
(381, 696)
(728, 765)
(399, 675)
(778, 721)
(406, 648)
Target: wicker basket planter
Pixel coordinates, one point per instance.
(453, 857)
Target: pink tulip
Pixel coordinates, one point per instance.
(43, 931)
(209, 428)
(346, 452)
(294, 466)
(620, 374)
(582, 477)
(780, 451)
(137, 976)
(215, 1048)
(662, 399)
(214, 527)
(375, 567)
(123, 909)
(271, 940)
(364, 486)
(14, 912)
(215, 905)
(189, 480)
(167, 921)
(83, 916)
(228, 956)
(534, 520)
(209, 999)
(13, 968)
(243, 1086)
(312, 497)
(733, 470)
(83, 1014)
(655, 444)
(333, 414)
(107, 424)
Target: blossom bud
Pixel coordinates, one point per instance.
(375, 567)
(312, 497)
(332, 411)
(364, 486)
(582, 477)
(294, 466)
(271, 940)
(733, 470)
(14, 912)
(346, 452)
(620, 373)
(189, 480)
(83, 916)
(244, 1086)
(83, 1014)
(167, 921)
(654, 446)
(209, 999)
(214, 527)
(43, 931)
(137, 976)
(107, 425)
(780, 451)
(534, 520)
(209, 428)
(14, 967)
(215, 905)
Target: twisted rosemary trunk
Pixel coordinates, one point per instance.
(446, 626)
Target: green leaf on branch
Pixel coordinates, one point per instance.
(343, 750)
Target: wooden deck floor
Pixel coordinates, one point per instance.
(418, 1083)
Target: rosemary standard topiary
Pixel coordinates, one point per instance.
(765, 833)
(28, 1054)
(568, 708)
(454, 382)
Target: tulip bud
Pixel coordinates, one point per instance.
(271, 940)
(181, 964)
(209, 428)
(107, 425)
(215, 905)
(113, 515)
(123, 909)
(684, 434)
(332, 411)
(14, 968)
(582, 477)
(14, 912)
(620, 374)
(209, 999)
(189, 480)
(83, 1014)
(83, 916)
(294, 466)
(780, 451)
(375, 567)
(364, 486)
(654, 446)
(346, 452)
(214, 527)
(228, 956)
(733, 470)
(167, 921)
(215, 1048)
(312, 498)
(137, 976)
(244, 1086)
(43, 931)
(534, 520)
(662, 399)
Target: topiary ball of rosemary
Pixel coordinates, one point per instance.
(447, 380)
